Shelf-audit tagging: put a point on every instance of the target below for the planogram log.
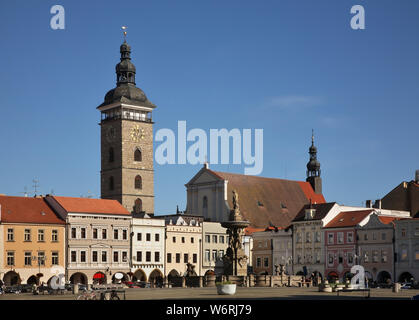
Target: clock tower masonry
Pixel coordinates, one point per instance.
(127, 173)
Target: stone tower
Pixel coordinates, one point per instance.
(313, 169)
(127, 173)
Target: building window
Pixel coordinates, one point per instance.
(205, 202)
(104, 256)
(138, 205)
(115, 256)
(366, 257)
(174, 239)
(308, 237)
(104, 234)
(94, 233)
(10, 235)
(73, 256)
(404, 254)
(220, 254)
(27, 234)
(194, 258)
(111, 183)
(185, 258)
(365, 236)
(403, 232)
(298, 240)
(139, 256)
(139, 236)
(383, 236)
(73, 233)
(374, 236)
(330, 238)
(207, 238)
(83, 233)
(221, 239)
(124, 234)
(374, 256)
(183, 239)
(350, 258)
(384, 256)
(258, 262)
(28, 258)
(169, 258)
(350, 237)
(214, 239)
(340, 237)
(177, 257)
(116, 234)
(138, 182)
(416, 232)
(417, 255)
(157, 237)
(41, 235)
(207, 255)
(111, 155)
(82, 256)
(192, 239)
(148, 237)
(54, 258)
(137, 155)
(156, 256)
(54, 236)
(318, 236)
(148, 256)
(10, 258)
(318, 257)
(41, 258)
(330, 259)
(214, 255)
(94, 256)
(266, 262)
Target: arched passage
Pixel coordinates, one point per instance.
(156, 278)
(32, 280)
(78, 278)
(99, 278)
(384, 277)
(406, 277)
(139, 275)
(209, 273)
(11, 278)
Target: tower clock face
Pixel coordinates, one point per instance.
(137, 133)
(110, 134)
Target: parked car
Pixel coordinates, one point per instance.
(12, 289)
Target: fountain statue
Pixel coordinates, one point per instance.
(235, 260)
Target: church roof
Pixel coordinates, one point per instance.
(268, 201)
(27, 210)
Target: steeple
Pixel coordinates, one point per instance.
(313, 168)
(125, 70)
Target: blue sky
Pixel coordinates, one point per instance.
(282, 66)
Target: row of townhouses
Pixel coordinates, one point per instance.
(327, 239)
(90, 240)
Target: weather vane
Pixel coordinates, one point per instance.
(125, 32)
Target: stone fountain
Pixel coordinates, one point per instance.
(235, 260)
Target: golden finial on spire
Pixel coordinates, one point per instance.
(312, 136)
(125, 32)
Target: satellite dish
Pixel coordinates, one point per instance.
(119, 275)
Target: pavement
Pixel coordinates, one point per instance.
(242, 293)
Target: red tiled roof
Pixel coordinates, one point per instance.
(268, 201)
(348, 218)
(249, 230)
(88, 205)
(27, 210)
(387, 220)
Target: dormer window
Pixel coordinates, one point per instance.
(260, 204)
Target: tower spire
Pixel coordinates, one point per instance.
(313, 167)
(125, 33)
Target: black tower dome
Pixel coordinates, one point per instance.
(126, 90)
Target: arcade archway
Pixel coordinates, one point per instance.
(78, 278)
(11, 278)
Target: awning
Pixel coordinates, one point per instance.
(99, 275)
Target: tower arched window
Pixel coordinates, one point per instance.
(111, 155)
(111, 183)
(137, 155)
(138, 182)
(138, 205)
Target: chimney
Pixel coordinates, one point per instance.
(377, 204)
(368, 203)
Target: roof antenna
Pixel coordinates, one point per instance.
(25, 192)
(35, 185)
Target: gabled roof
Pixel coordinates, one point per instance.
(322, 209)
(387, 220)
(268, 201)
(349, 218)
(88, 205)
(27, 210)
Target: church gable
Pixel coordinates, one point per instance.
(204, 176)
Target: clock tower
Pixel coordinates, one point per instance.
(127, 173)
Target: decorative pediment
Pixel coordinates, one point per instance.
(375, 223)
(100, 246)
(204, 176)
